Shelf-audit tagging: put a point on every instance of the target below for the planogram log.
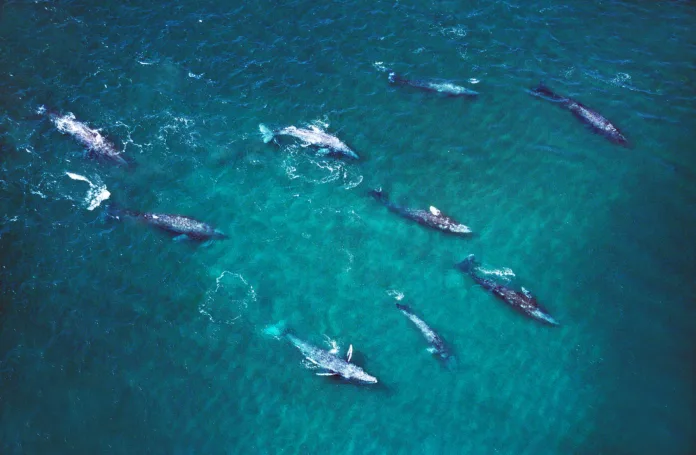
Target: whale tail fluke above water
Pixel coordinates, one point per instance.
(266, 133)
(468, 264)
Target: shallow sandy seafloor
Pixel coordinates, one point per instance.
(115, 339)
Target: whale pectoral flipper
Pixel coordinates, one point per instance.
(349, 355)
(323, 151)
(432, 350)
(181, 238)
(327, 374)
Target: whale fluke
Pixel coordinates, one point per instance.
(266, 133)
(468, 264)
(543, 90)
(378, 194)
(403, 307)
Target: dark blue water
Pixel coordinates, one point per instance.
(116, 339)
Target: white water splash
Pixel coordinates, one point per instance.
(229, 296)
(322, 123)
(96, 193)
(333, 344)
(333, 171)
(459, 31)
(379, 66)
(395, 294)
(621, 79)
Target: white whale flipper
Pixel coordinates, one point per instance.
(326, 374)
(435, 211)
(349, 355)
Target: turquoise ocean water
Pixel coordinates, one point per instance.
(115, 339)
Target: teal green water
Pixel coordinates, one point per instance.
(114, 339)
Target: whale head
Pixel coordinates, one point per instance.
(355, 373)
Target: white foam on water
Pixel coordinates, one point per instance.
(322, 124)
(459, 31)
(352, 184)
(229, 296)
(333, 344)
(96, 193)
(379, 66)
(396, 294)
(502, 273)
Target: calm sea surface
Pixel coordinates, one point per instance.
(116, 339)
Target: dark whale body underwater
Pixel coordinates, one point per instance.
(522, 301)
(432, 217)
(596, 121)
(183, 227)
(432, 85)
(437, 344)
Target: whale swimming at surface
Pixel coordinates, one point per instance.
(432, 217)
(522, 300)
(437, 345)
(325, 143)
(97, 145)
(329, 361)
(183, 227)
(592, 118)
(432, 85)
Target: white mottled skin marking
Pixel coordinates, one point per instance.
(315, 136)
(427, 332)
(331, 362)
